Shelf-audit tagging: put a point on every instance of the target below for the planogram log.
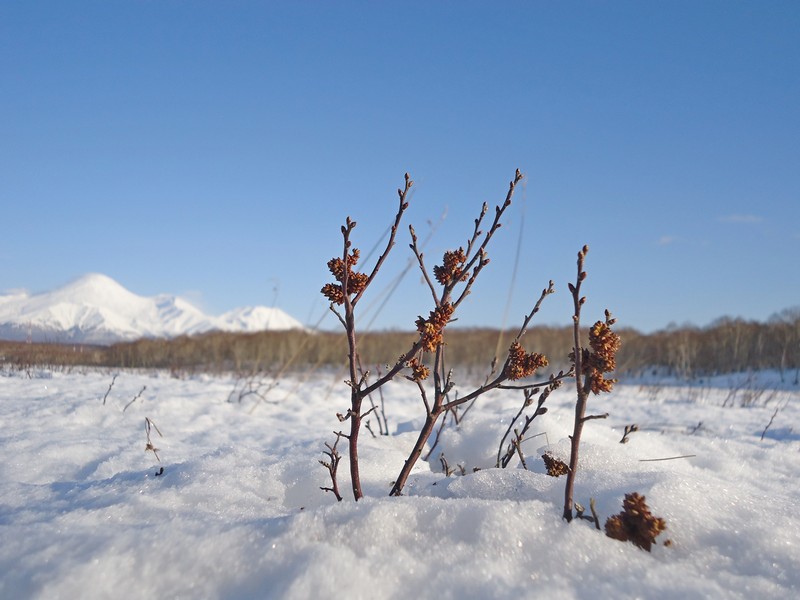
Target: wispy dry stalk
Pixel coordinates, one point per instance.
(667, 458)
(590, 365)
(150, 447)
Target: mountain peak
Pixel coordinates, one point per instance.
(95, 308)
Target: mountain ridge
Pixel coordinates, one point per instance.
(96, 309)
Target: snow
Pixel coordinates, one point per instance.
(95, 309)
(238, 513)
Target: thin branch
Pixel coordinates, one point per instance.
(550, 289)
(497, 383)
(402, 208)
(629, 429)
(332, 465)
(419, 256)
(135, 398)
(478, 261)
(110, 385)
(593, 417)
(338, 315)
(772, 418)
(581, 384)
(442, 424)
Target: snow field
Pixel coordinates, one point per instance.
(237, 512)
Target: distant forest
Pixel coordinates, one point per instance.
(728, 345)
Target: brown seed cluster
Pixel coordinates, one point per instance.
(602, 358)
(635, 523)
(356, 281)
(521, 364)
(555, 467)
(431, 329)
(452, 268)
(419, 372)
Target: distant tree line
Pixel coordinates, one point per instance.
(727, 345)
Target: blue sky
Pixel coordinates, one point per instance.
(213, 150)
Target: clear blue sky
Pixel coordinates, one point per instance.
(213, 149)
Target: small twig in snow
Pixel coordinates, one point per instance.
(135, 398)
(772, 418)
(108, 391)
(148, 424)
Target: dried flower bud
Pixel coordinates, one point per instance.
(452, 268)
(602, 358)
(431, 328)
(635, 523)
(521, 364)
(333, 293)
(555, 467)
(356, 282)
(419, 372)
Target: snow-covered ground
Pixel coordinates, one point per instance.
(238, 513)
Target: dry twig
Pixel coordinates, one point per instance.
(590, 365)
(110, 385)
(135, 398)
(332, 465)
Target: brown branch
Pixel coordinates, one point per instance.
(135, 398)
(332, 465)
(519, 435)
(398, 366)
(349, 298)
(497, 384)
(110, 385)
(550, 289)
(478, 260)
(442, 424)
(581, 384)
(629, 429)
(402, 193)
(593, 417)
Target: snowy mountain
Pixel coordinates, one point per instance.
(95, 309)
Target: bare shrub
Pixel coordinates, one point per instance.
(515, 446)
(256, 385)
(449, 284)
